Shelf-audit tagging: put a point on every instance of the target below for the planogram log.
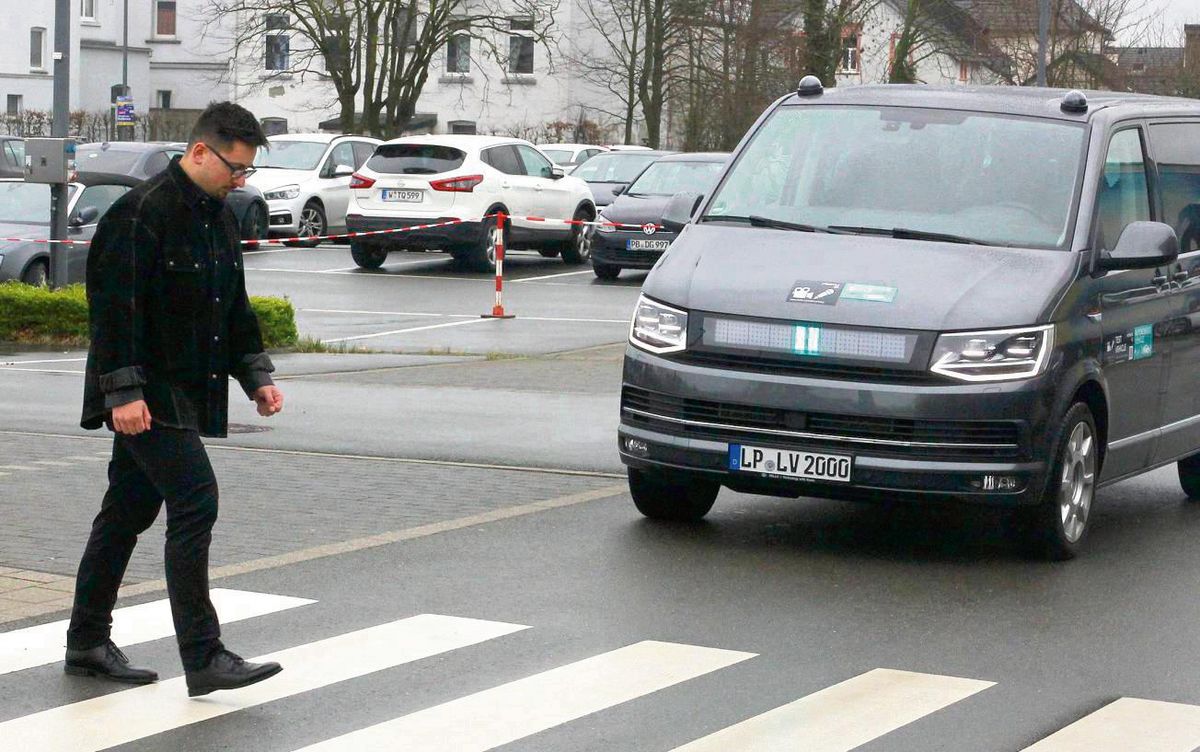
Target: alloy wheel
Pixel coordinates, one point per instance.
(1078, 481)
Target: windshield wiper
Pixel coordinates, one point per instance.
(905, 233)
(759, 221)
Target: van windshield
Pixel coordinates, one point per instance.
(995, 179)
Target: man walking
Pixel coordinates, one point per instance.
(170, 321)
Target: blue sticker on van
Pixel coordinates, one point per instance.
(1143, 342)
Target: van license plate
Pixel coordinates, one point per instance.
(412, 197)
(788, 464)
(636, 244)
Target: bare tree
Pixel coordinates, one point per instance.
(935, 29)
(825, 22)
(615, 67)
(375, 54)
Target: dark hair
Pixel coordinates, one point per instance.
(222, 123)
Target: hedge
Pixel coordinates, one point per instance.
(37, 315)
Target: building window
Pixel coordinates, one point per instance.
(458, 54)
(87, 10)
(462, 127)
(849, 61)
(164, 18)
(162, 99)
(15, 105)
(37, 48)
(278, 50)
(520, 47)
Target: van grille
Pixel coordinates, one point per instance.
(724, 421)
(797, 367)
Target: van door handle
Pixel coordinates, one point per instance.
(1182, 276)
(1159, 280)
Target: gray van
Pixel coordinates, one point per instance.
(905, 292)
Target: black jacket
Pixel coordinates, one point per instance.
(169, 316)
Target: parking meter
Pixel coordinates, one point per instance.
(52, 161)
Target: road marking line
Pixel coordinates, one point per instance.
(53, 463)
(844, 716)
(392, 313)
(37, 646)
(552, 276)
(497, 716)
(1, 474)
(411, 329)
(1129, 725)
(39, 362)
(39, 370)
(17, 467)
(623, 322)
(89, 726)
(81, 458)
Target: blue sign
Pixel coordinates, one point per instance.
(125, 114)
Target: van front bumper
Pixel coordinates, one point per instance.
(983, 443)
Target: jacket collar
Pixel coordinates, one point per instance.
(193, 194)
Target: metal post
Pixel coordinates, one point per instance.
(1043, 41)
(58, 129)
(123, 133)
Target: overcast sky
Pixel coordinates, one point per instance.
(1170, 16)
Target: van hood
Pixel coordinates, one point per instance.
(269, 178)
(753, 271)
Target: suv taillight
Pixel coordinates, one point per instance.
(464, 184)
(359, 182)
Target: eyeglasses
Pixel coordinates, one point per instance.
(234, 171)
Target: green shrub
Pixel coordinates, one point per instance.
(37, 315)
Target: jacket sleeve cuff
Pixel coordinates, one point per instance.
(254, 372)
(122, 378)
(120, 397)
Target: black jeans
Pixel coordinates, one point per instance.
(162, 463)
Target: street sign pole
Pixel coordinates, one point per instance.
(58, 129)
(1043, 33)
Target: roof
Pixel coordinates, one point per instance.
(696, 156)
(1012, 100)
(1020, 17)
(965, 36)
(458, 139)
(324, 138)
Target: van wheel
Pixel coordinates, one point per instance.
(482, 256)
(1058, 525)
(577, 249)
(606, 271)
(367, 256)
(1189, 476)
(659, 498)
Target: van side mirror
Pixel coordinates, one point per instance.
(680, 209)
(1142, 245)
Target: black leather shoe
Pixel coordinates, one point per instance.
(109, 662)
(228, 671)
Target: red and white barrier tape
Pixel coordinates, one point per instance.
(371, 233)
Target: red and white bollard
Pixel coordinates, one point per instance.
(498, 309)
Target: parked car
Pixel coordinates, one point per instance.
(570, 156)
(607, 172)
(306, 181)
(641, 207)
(25, 214)
(927, 294)
(144, 160)
(12, 157)
(468, 179)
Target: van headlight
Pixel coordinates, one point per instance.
(996, 355)
(658, 328)
(287, 192)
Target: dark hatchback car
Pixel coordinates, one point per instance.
(144, 160)
(606, 173)
(913, 293)
(641, 206)
(12, 157)
(25, 217)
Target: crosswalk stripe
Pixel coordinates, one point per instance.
(83, 458)
(844, 716)
(497, 716)
(1129, 725)
(133, 714)
(37, 646)
(17, 467)
(52, 463)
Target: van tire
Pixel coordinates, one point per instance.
(1189, 476)
(661, 498)
(367, 256)
(1056, 528)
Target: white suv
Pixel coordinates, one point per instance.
(305, 179)
(419, 180)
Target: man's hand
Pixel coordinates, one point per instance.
(269, 400)
(132, 418)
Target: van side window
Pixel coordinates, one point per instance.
(1177, 152)
(1123, 196)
